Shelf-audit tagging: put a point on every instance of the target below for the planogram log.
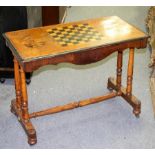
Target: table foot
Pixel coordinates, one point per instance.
(28, 127)
(131, 99)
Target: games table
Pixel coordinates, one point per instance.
(80, 43)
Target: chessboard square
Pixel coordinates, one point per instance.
(77, 35)
(63, 42)
(79, 25)
(58, 39)
(83, 27)
(93, 39)
(78, 39)
(98, 36)
(90, 33)
(75, 25)
(85, 24)
(87, 36)
(67, 39)
(101, 36)
(85, 39)
(82, 32)
(68, 31)
(54, 29)
(73, 38)
(61, 30)
(75, 42)
(64, 45)
(90, 28)
(52, 34)
(96, 33)
(62, 39)
(70, 26)
(55, 32)
(87, 28)
(65, 27)
(55, 36)
(64, 32)
(66, 35)
(58, 33)
(87, 31)
(72, 33)
(73, 28)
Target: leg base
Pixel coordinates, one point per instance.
(132, 100)
(28, 127)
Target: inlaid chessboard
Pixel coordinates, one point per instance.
(75, 34)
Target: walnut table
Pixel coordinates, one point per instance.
(80, 43)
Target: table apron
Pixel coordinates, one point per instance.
(82, 57)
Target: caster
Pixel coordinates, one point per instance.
(2, 80)
(110, 89)
(136, 113)
(28, 81)
(137, 116)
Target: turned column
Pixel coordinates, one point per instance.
(17, 84)
(119, 71)
(25, 114)
(130, 72)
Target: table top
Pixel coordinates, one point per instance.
(54, 40)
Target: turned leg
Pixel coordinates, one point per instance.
(136, 107)
(119, 72)
(130, 72)
(17, 86)
(31, 133)
(19, 106)
(25, 114)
